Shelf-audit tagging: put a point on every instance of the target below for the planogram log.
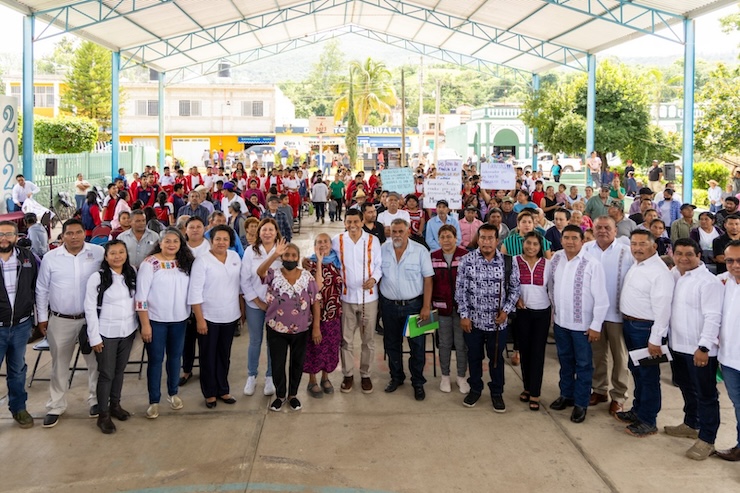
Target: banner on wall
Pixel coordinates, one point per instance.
(497, 176)
(9, 140)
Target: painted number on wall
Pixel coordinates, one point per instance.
(8, 144)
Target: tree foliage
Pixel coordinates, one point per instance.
(372, 85)
(718, 129)
(89, 84)
(558, 111)
(64, 135)
(60, 60)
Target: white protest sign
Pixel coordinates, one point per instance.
(450, 169)
(9, 143)
(498, 176)
(399, 180)
(436, 189)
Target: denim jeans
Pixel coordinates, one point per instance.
(732, 383)
(576, 364)
(698, 386)
(167, 337)
(256, 327)
(394, 320)
(647, 400)
(492, 342)
(80, 201)
(13, 342)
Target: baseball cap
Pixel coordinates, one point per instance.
(617, 203)
(359, 193)
(471, 208)
(507, 199)
(443, 202)
(684, 206)
(228, 186)
(201, 189)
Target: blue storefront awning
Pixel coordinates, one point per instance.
(256, 139)
(382, 141)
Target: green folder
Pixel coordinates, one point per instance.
(414, 328)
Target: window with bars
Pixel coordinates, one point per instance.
(189, 108)
(253, 108)
(147, 107)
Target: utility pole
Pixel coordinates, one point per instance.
(421, 105)
(436, 123)
(403, 119)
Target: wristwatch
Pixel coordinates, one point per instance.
(703, 349)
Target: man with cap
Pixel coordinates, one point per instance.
(392, 212)
(625, 225)
(714, 194)
(230, 196)
(682, 227)
(670, 210)
(644, 193)
(469, 225)
(443, 217)
(655, 174)
(285, 225)
(359, 199)
(598, 205)
(508, 216)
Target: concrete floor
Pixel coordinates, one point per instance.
(350, 443)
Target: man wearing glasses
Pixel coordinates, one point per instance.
(60, 296)
(19, 271)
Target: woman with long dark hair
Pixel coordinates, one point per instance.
(163, 210)
(161, 302)
(268, 234)
(90, 214)
(111, 328)
(214, 297)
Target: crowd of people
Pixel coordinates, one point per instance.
(188, 261)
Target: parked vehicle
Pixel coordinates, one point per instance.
(545, 161)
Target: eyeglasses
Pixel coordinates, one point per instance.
(8, 235)
(728, 261)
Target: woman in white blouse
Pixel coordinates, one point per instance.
(704, 235)
(533, 316)
(214, 297)
(161, 302)
(255, 294)
(111, 328)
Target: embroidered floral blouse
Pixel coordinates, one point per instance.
(289, 305)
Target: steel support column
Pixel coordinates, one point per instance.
(115, 146)
(590, 111)
(160, 98)
(688, 110)
(535, 90)
(27, 88)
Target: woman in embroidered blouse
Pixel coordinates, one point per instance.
(214, 296)
(254, 292)
(161, 303)
(532, 316)
(322, 355)
(293, 307)
(111, 328)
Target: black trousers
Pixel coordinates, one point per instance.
(188, 350)
(215, 358)
(339, 202)
(112, 361)
(532, 327)
(279, 343)
(320, 209)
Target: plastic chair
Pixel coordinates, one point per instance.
(101, 231)
(99, 240)
(43, 346)
(10, 205)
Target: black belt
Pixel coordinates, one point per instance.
(69, 317)
(407, 302)
(633, 319)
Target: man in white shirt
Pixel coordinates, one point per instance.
(580, 304)
(23, 190)
(645, 302)
(616, 259)
(392, 212)
(60, 298)
(693, 338)
(729, 340)
(359, 253)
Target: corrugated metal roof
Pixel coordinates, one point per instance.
(529, 35)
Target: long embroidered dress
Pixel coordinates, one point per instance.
(325, 355)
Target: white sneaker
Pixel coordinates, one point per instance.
(175, 402)
(152, 412)
(269, 386)
(444, 385)
(250, 386)
(463, 385)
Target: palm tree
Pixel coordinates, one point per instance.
(373, 92)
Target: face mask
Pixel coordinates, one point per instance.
(290, 264)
